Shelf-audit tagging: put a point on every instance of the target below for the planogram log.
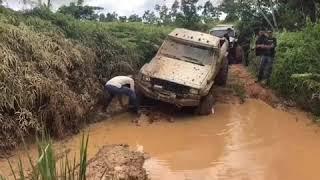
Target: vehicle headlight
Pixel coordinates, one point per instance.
(146, 78)
(194, 91)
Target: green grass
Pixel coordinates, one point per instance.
(239, 91)
(47, 167)
(297, 68)
(53, 68)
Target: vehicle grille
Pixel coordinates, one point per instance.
(171, 86)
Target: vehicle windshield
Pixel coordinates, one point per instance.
(221, 33)
(187, 52)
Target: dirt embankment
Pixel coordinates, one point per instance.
(117, 162)
(242, 85)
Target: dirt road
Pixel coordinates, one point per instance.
(253, 139)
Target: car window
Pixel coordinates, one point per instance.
(186, 52)
(221, 33)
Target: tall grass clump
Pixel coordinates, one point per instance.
(119, 46)
(46, 82)
(53, 67)
(48, 167)
(297, 67)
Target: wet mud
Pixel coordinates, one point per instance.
(117, 162)
(242, 140)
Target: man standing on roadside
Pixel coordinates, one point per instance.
(261, 40)
(267, 59)
(117, 86)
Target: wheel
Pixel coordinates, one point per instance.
(206, 105)
(222, 76)
(141, 97)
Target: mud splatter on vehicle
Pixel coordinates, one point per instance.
(185, 69)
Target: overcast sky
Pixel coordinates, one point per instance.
(122, 7)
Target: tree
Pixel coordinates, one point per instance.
(80, 2)
(80, 12)
(277, 13)
(188, 17)
(111, 17)
(123, 18)
(210, 13)
(149, 17)
(134, 18)
(308, 8)
(164, 13)
(175, 9)
(102, 17)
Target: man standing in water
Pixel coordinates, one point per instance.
(117, 86)
(267, 47)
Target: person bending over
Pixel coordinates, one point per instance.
(117, 86)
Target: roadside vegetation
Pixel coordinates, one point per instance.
(297, 70)
(53, 68)
(296, 25)
(48, 166)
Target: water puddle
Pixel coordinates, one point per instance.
(251, 141)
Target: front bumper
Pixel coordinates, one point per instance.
(166, 96)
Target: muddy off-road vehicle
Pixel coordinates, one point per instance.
(235, 51)
(185, 69)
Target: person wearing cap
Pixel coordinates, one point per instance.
(268, 55)
(119, 86)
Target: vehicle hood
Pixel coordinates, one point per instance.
(178, 71)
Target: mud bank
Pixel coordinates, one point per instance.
(117, 162)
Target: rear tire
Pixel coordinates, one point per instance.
(222, 76)
(205, 106)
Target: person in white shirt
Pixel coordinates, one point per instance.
(117, 86)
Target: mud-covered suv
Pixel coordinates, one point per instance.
(235, 52)
(184, 70)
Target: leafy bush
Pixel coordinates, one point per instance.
(299, 53)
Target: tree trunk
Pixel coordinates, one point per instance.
(264, 15)
(273, 15)
(49, 4)
(313, 13)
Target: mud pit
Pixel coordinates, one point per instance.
(249, 141)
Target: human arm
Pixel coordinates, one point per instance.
(131, 84)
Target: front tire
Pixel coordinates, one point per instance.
(206, 105)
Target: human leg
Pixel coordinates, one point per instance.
(269, 68)
(132, 97)
(109, 94)
(263, 63)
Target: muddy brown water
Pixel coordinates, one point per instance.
(251, 141)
